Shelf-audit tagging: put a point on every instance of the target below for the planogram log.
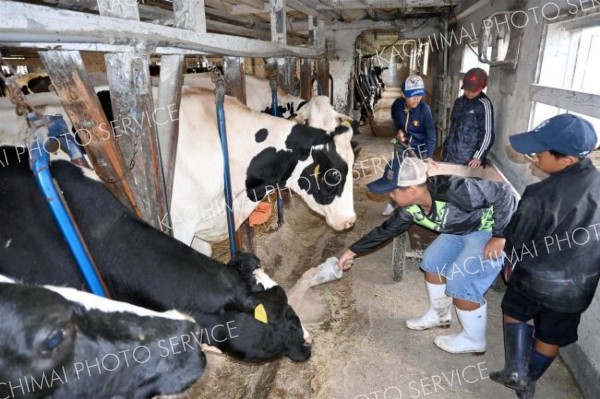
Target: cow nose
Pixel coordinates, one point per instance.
(349, 223)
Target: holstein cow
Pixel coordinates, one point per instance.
(61, 343)
(258, 94)
(139, 264)
(266, 154)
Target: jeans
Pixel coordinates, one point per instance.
(459, 258)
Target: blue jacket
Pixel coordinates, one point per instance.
(417, 125)
(471, 134)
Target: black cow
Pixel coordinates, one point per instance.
(139, 264)
(66, 344)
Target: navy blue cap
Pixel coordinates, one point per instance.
(413, 86)
(565, 133)
(400, 173)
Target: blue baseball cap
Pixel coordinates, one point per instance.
(413, 86)
(565, 133)
(400, 173)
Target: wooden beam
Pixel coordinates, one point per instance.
(133, 107)
(278, 21)
(306, 79)
(235, 78)
(323, 74)
(82, 106)
(189, 15)
(571, 100)
(21, 22)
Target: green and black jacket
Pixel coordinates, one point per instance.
(461, 205)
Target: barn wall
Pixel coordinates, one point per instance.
(509, 92)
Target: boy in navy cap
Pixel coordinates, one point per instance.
(462, 263)
(555, 256)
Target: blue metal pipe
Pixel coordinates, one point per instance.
(220, 99)
(41, 171)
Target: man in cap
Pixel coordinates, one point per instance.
(461, 264)
(471, 134)
(555, 256)
(414, 123)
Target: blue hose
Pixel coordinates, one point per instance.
(41, 171)
(220, 99)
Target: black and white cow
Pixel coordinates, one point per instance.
(60, 343)
(266, 154)
(139, 264)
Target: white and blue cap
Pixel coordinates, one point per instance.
(413, 86)
(400, 173)
(566, 133)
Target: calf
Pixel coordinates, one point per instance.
(57, 342)
(139, 264)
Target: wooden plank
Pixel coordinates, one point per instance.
(306, 79)
(576, 101)
(21, 22)
(323, 74)
(189, 15)
(82, 106)
(133, 108)
(235, 78)
(278, 21)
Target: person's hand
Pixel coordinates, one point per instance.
(400, 136)
(474, 163)
(494, 247)
(346, 260)
(431, 162)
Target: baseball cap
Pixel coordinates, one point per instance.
(400, 173)
(475, 79)
(413, 86)
(565, 133)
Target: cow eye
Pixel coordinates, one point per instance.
(55, 339)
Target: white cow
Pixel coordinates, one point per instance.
(266, 153)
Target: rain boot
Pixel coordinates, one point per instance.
(472, 338)
(438, 314)
(538, 364)
(517, 346)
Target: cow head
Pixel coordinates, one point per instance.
(91, 347)
(319, 113)
(316, 165)
(272, 331)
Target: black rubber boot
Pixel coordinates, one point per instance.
(517, 346)
(538, 364)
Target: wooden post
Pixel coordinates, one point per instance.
(133, 107)
(323, 73)
(278, 22)
(69, 77)
(189, 14)
(306, 79)
(235, 78)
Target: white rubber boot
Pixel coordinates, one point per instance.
(438, 315)
(472, 338)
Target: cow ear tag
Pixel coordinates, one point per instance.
(317, 168)
(260, 314)
(346, 123)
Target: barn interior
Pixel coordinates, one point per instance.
(541, 62)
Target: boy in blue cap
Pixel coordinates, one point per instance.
(414, 123)
(463, 261)
(553, 242)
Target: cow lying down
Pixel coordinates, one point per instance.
(139, 264)
(62, 343)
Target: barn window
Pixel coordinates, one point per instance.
(567, 74)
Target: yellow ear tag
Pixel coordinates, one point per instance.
(346, 123)
(260, 314)
(316, 174)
